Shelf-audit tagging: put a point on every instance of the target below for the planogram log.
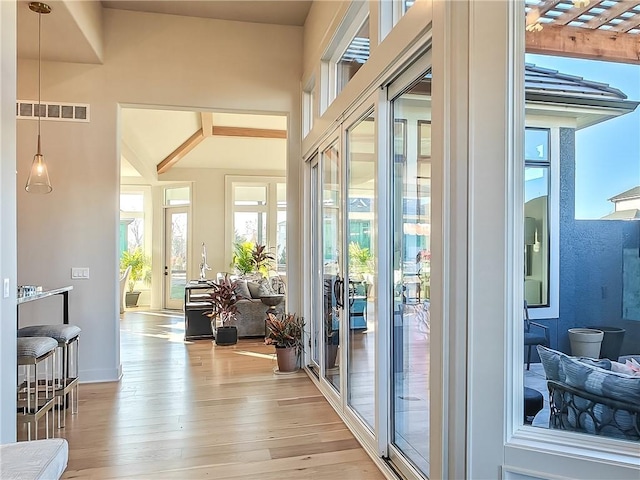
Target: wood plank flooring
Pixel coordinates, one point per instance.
(190, 410)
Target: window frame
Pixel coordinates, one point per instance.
(552, 310)
(271, 208)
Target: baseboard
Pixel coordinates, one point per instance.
(101, 375)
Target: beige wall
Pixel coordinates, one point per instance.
(149, 59)
(8, 221)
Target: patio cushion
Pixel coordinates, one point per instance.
(601, 382)
(35, 347)
(61, 333)
(39, 459)
(551, 362)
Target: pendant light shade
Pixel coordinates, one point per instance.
(38, 181)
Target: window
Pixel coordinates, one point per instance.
(132, 220)
(347, 53)
(536, 214)
(177, 196)
(310, 109)
(257, 210)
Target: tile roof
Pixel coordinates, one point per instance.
(628, 195)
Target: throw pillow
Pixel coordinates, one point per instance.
(551, 363)
(242, 289)
(254, 289)
(265, 288)
(598, 381)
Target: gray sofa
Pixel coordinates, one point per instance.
(250, 320)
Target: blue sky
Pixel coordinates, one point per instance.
(607, 154)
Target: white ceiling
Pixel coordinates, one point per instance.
(282, 12)
(150, 135)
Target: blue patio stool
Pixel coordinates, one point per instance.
(67, 338)
(533, 403)
(35, 399)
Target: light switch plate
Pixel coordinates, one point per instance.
(80, 273)
(6, 288)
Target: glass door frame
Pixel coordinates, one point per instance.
(167, 302)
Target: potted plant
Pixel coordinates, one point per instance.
(360, 262)
(251, 258)
(140, 271)
(285, 332)
(242, 259)
(261, 259)
(223, 298)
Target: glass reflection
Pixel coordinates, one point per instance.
(411, 272)
(331, 255)
(362, 238)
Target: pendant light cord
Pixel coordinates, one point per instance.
(39, 75)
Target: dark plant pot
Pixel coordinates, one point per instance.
(287, 359)
(131, 299)
(226, 335)
(611, 342)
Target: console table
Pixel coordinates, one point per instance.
(64, 291)
(197, 324)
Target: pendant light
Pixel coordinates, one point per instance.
(38, 181)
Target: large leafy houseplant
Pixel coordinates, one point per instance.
(249, 258)
(140, 267)
(242, 259)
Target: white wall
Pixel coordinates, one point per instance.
(149, 59)
(8, 221)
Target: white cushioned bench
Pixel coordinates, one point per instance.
(36, 460)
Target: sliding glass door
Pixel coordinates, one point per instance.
(332, 270)
(411, 220)
(361, 228)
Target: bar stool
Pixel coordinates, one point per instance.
(67, 337)
(33, 401)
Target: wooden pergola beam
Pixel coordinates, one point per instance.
(249, 132)
(180, 152)
(584, 43)
(574, 13)
(609, 14)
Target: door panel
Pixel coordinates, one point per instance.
(332, 275)
(176, 255)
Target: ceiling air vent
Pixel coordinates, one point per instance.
(63, 112)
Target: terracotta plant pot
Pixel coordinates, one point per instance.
(287, 359)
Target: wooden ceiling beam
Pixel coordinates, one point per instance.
(180, 152)
(610, 13)
(583, 43)
(248, 132)
(574, 13)
(206, 119)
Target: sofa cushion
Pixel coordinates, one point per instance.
(254, 289)
(242, 289)
(598, 381)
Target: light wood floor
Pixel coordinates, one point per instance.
(194, 410)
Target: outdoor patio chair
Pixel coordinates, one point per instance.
(533, 338)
